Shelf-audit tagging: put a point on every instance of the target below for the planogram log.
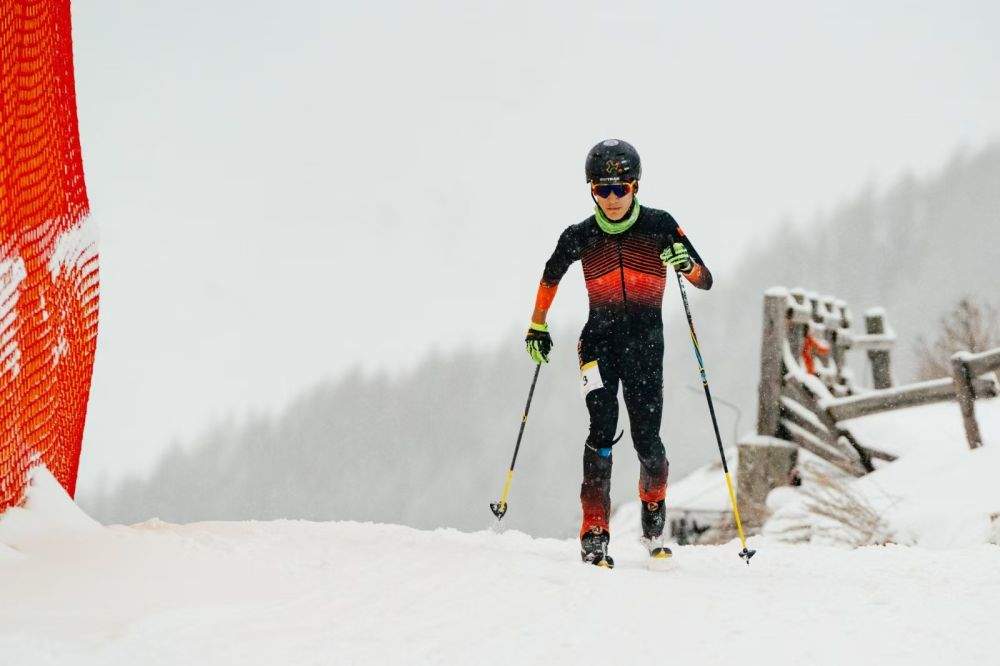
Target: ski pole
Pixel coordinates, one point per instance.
(500, 507)
(746, 553)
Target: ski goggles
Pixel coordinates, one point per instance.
(618, 189)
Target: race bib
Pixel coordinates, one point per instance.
(591, 378)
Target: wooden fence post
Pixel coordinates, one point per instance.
(772, 338)
(962, 377)
(879, 358)
(828, 320)
(838, 352)
(797, 332)
(764, 463)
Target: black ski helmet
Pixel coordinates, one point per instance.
(613, 161)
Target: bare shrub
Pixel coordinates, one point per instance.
(845, 516)
(969, 326)
(723, 531)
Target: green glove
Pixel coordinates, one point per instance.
(538, 342)
(677, 257)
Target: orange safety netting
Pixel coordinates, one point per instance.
(48, 257)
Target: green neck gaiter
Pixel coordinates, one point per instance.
(621, 225)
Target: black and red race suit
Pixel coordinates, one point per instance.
(623, 340)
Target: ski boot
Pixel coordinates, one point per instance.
(653, 518)
(594, 548)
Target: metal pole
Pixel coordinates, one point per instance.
(500, 507)
(727, 403)
(746, 553)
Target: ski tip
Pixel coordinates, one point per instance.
(604, 563)
(660, 562)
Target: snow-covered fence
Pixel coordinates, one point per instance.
(910, 395)
(806, 391)
(966, 369)
(803, 363)
(811, 332)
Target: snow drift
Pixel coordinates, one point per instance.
(294, 592)
(938, 493)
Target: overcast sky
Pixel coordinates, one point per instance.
(286, 190)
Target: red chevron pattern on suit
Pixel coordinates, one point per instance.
(48, 257)
(618, 269)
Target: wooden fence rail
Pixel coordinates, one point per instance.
(911, 395)
(981, 363)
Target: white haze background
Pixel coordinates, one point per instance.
(287, 193)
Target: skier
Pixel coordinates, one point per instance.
(625, 250)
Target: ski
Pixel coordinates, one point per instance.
(660, 558)
(594, 549)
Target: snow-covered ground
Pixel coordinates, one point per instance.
(935, 427)
(292, 592)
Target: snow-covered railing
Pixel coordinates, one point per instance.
(899, 397)
(806, 391)
(981, 363)
(803, 364)
(816, 431)
(811, 335)
(966, 369)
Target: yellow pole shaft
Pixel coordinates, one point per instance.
(501, 506)
(715, 422)
(736, 510)
(506, 488)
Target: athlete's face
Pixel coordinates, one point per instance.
(614, 207)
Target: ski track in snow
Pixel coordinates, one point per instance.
(294, 592)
